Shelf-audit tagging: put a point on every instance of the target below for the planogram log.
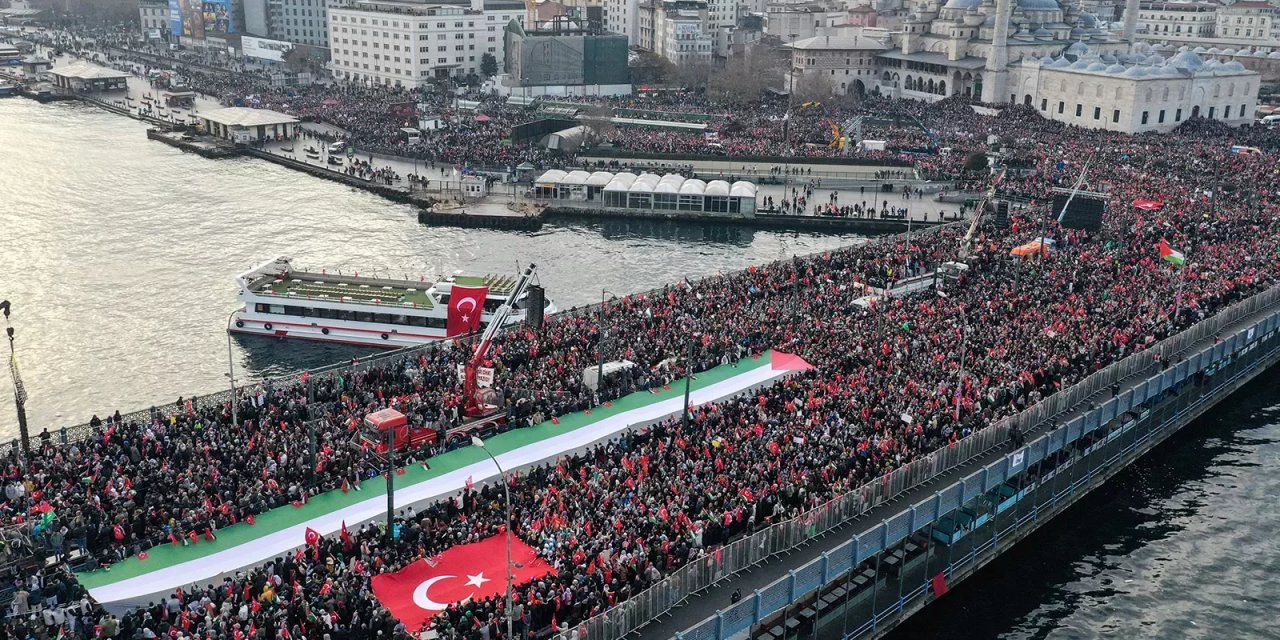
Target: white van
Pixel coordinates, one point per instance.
(337, 147)
(1271, 119)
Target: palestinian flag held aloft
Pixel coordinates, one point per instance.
(1169, 254)
(473, 572)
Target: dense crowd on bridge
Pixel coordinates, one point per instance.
(619, 517)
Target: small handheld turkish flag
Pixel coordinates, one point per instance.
(465, 306)
(418, 592)
(313, 536)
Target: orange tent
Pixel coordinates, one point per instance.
(1033, 247)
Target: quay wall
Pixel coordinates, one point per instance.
(880, 564)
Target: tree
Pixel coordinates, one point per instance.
(813, 87)
(488, 66)
(295, 59)
(597, 120)
(647, 67)
(746, 77)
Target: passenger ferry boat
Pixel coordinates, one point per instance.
(350, 309)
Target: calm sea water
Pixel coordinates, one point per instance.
(1185, 543)
(119, 255)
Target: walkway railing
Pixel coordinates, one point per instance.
(723, 562)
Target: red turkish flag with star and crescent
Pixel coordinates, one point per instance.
(416, 593)
(465, 306)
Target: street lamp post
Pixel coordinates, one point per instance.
(231, 374)
(19, 391)
(506, 488)
(600, 348)
(688, 375)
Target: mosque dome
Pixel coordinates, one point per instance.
(1186, 60)
(1115, 68)
(1077, 49)
(1039, 5)
(1142, 47)
(1096, 66)
(963, 5)
(1233, 66)
(1214, 51)
(1274, 55)
(1108, 58)
(1046, 61)
(1061, 63)
(1228, 52)
(1199, 50)
(1136, 72)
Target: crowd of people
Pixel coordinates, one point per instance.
(619, 517)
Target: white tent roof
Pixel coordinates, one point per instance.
(716, 188)
(575, 178)
(693, 187)
(600, 179)
(552, 176)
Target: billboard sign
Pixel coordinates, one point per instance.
(217, 16)
(264, 49)
(186, 19)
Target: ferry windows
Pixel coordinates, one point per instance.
(363, 316)
(491, 305)
(276, 308)
(260, 308)
(382, 318)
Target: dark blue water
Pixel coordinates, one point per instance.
(1183, 544)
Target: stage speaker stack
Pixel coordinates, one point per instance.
(537, 302)
(1002, 214)
(1085, 210)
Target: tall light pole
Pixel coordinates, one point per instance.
(600, 346)
(688, 374)
(231, 374)
(19, 391)
(506, 489)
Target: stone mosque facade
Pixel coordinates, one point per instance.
(1057, 58)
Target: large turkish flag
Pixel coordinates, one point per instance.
(474, 571)
(465, 306)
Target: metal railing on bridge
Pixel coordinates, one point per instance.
(723, 562)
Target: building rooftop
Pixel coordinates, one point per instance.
(930, 57)
(86, 71)
(247, 117)
(838, 43)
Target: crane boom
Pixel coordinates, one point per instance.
(500, 316)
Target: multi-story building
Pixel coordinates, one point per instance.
(623, 17)
(395, 42)
(302, 22)
(681, 33)
(153, 16)
(1246, 20)
(1193, 18)
(846, 64)
(795, 20)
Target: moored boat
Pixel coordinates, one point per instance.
(350, 309)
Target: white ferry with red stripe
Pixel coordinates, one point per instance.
(349, 309)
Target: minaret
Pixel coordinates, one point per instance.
(1130, 20)
(997, 72)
